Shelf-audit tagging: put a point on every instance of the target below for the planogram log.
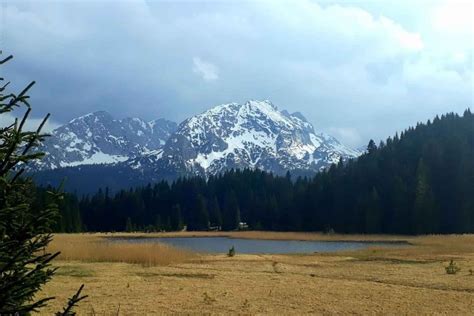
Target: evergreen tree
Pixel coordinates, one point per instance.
(419, 181)
(129, 225)
(158, 223)
(176, 218)
(200, 215)
(424, 212)
(371, 147)
(400, 219)
(25, 231)
(373, 213)
(215, 213)
(232, 218)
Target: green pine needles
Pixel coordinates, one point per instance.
(25, 231)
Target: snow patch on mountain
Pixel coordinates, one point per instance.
(98, 138)
(95, 159)
(253, 135)
(250, 135)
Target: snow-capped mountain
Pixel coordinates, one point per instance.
(98, 138)
(236, 136)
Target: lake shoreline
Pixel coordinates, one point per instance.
(270, 235)
(219, 245)
(375, 241)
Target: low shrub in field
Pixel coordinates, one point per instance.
(452, 268)
(208, 299)
(231, 252)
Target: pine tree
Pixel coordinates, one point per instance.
(215, 213)
(158, 224)
(129, 225)
(373, 213)
(399, 222)
(176, 218)
(232, 212)
(202, 213)
(424, 212)
(25, 232)
(371, 147)
(466, 196)
(199, 215)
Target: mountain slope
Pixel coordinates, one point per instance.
(253, 135)
(98, 138)
(237, 136)
(420, 181)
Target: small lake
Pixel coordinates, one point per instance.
(255, 246)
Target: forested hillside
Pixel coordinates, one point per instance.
(421, 181)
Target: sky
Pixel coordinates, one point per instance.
(356, 69)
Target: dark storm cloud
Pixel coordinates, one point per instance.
(356, 70)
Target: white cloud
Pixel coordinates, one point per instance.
(350, 136)
(358, 65)
(32, 124)
(407, 40)
(454, 16)
(206, 70)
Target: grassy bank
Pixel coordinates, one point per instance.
(267, 235)
(403, 280)
(95, 248)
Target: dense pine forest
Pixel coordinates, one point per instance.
(421, 181)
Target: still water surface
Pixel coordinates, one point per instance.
(222, 244)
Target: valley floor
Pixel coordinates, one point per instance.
(406, 280)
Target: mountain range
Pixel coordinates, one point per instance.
(98, 138)
(254, 135)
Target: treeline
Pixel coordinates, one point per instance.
(421, 181)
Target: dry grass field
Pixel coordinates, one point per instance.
(94, 248)
(409, 280)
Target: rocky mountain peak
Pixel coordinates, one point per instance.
(254, 134)
(98, 138)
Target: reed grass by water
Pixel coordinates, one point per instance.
(92, 248)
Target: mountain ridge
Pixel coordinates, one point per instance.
(254, 134)
(251, 135)
(97, 137)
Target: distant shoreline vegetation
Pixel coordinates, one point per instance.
(418, 182)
